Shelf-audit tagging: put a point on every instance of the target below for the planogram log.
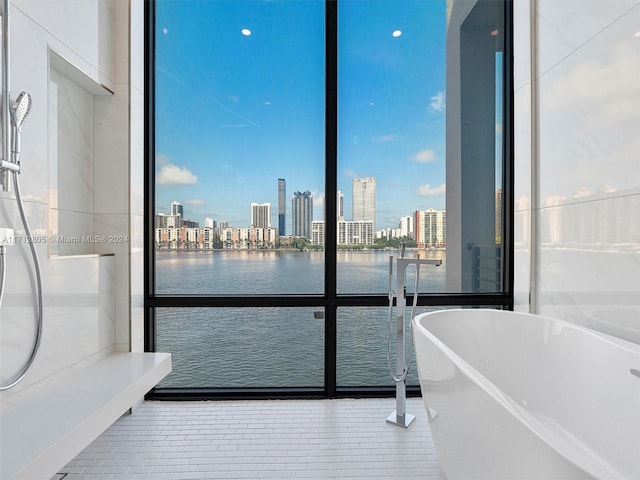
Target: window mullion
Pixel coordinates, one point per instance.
(331, 162)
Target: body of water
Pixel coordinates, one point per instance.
(278, 347)
(275, 272)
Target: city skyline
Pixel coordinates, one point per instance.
(302, 210)
(260, 100)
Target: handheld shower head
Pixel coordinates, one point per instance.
(19, 111)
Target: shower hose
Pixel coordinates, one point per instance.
(36, 344)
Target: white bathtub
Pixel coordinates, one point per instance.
(514, 395)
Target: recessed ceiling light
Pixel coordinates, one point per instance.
(637, 34)
(396, 33)
(246, 32)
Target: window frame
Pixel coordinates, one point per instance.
(330, 300)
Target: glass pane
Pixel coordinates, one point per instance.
(242, 347)
(391, 155)
(362, 348)
(369, 271)
(239, 145)
(475, 92)
(366, 335)
(407, 70)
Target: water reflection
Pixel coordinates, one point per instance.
(271, 272)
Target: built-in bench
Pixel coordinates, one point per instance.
(45, 425)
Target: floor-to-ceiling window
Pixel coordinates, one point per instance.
(297, 149)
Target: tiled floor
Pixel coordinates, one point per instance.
(261, 439)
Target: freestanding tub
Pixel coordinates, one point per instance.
(514, 395)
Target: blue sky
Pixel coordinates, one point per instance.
(237, 110)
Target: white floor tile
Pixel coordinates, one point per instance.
(261, 440)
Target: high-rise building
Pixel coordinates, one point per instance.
(358, 232)
(349, 232)
(364, 200)
(406, 226)
(430, 228)
(222, 224)
(301, 214)
(177, 209)
(340, 206)
(261, 215)
(168, 221)
(317, 232)
(282, 205)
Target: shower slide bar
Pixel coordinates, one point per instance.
(5, 102)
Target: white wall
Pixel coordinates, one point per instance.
(79, 158)
(577, 162)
